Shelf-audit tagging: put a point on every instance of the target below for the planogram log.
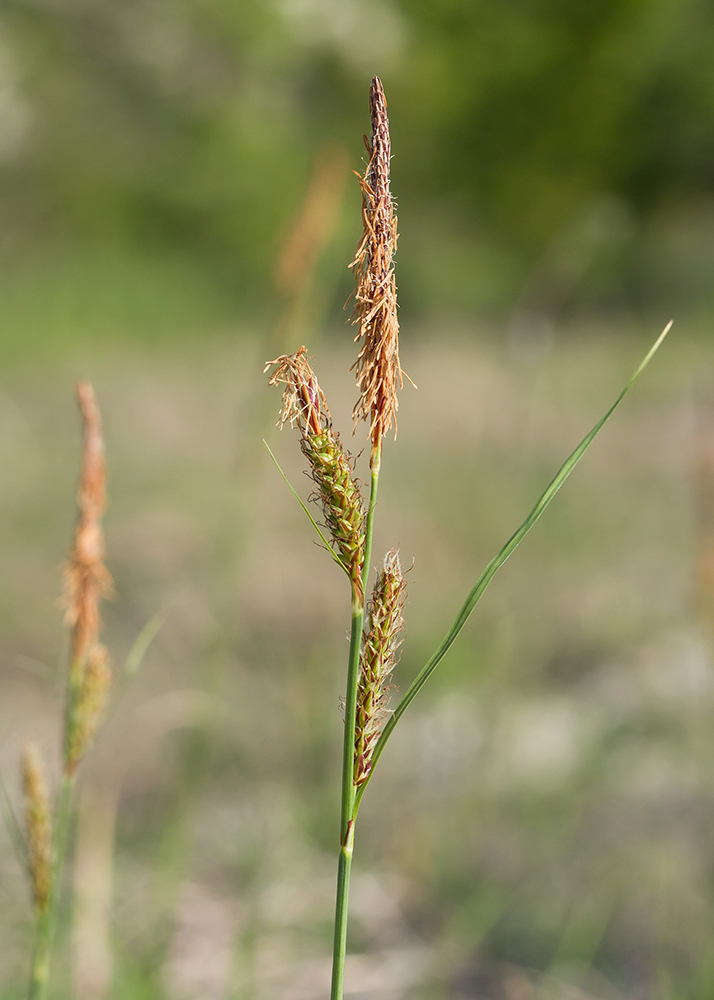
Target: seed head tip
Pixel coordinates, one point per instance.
(379, 372)
(87, 580)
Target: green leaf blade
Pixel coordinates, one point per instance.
(140, 647)
(305, 508)
(498, 560)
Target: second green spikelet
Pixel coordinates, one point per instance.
(304, 403)
(378, 658)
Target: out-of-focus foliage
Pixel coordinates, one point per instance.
(547, 153)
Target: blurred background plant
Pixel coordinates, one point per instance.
(165, 169)
(552, 156)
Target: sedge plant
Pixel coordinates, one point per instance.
(376, 626)
(43, 843)
(86, 582)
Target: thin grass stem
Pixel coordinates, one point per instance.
(348, 798)
(343, 892)
(375, 466)
(348, 790)
(347, 832)
(46, 922)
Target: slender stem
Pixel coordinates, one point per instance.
(348, 747)
(348, 797)
(46, 921)
(343, 892)
(374, 467)
(347, 832)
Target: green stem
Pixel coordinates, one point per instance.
(348, 799)
(374, 465)
(347, 832)
(348, 747)
(343, 892)
(46, 921)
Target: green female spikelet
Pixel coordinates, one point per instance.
(88, 704)
(377, 661)
(38, 826)
(304, 403)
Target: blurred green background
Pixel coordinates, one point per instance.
(176, 206)
(153, 153)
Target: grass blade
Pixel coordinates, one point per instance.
(12, 824)
(488, 574)
(135, 656)
(311, 519)
(135, 659)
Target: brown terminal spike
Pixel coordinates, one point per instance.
(379, 373)
(377, 660)
(38, 826)
(304, 404)
(86, 582)
(86, 576)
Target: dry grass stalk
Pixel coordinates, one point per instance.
(304, 403)
(378, 658)
(314, 224)
(86, 582)
(379, 372)
(38, 825)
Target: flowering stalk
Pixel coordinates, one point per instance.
(38, 827)
(86, 582)
(368, 721)
(379, 374)
(304, 405)
(46, 915)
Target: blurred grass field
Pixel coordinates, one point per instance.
(176, 207)
(541, 825)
